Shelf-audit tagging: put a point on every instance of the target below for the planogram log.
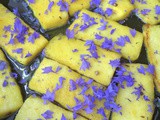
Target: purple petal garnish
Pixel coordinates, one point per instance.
(112, 2)
(3, 65)
(70, 33)
(72, 85)
(47, 70)
(50, 5)
(107, 44)
(112, 31)
(157, 9)
(48, 96)
(28, 54)
(102, 112)
(5, 83)
(47, 114)
(145, 11)
(58, 69)
(94, 3)
(150, 69)
(146, 98)
(121, 41)
(33, 37)
(13, 75)
(18, 50)
(141, 70)
(133, 32)
(63, 117)
(138, 91)
(150, 108)
(85, 64)
(109, 11)
(115, 63)
(31, 1)
(63, 5)
(98, 37)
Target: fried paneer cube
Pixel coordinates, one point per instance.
(77, 5)
(148, 11)
(48, 75)
(63, 50)
(107, 34)
(151, 40)
(19, 40)
(51, 14)
(136, 101)
(34, 108)
(10, 95)
(117, 10)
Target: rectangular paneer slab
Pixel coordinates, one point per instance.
(49, 74)
(34, 108)
(133, 108)
(152, 44)
(68, 52)
(19, 40)
(49, 13)
(10, 95)
(92, 26)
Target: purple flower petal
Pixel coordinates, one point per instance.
(145, 11)
(133, 32)
(63, 5)
(47, 114)
(146, 98)
(47, 70)
(112, 2)
(5, 83)
(94, 3)
(109, 11)
(48, 96)
(115, 63)
(50, 5)
(3, 65)
(102, 112)
(18, 50)
(85, 64)
(33, 37)
(58, 69)
(72, 85)
(31, 1)
(150, 69)
(98, 37)
(112, 31)
(141, 70)
(150, 108)
(157, 9)
(107, 44)
(22, 81)
(70, 33)
(13, 75)
(63, 117)
(28, 54)
(138, 91)
(121, 41)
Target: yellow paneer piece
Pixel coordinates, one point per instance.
(129, 51)
(61, 50)
(133, 109)
(34, 107)
(77, 5)
(120, 10)
(41, 82)
(149, 17)
(54, 17)
(8, 19)
(10, 95)
(151, 35)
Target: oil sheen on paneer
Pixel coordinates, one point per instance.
(34, 108)
(50, 13)
(108, 34)
(42, 82)
(133, 108)
(151, 40)
(10, 94)
(148, 11)
(77, 5)
(63, 50)
(18, 39)
(117, 10)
